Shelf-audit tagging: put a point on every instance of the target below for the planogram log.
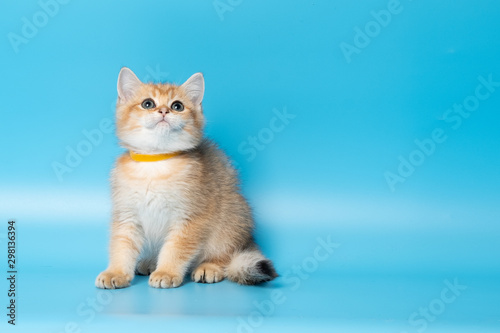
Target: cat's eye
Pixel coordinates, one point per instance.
(177, 106)
(148, 103)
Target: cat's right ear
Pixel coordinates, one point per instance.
(128, 84)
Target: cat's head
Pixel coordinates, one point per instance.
(159, 118)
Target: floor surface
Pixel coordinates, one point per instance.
(328, 283)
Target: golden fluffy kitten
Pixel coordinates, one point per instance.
(177, 207)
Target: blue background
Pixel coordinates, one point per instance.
(321, 175)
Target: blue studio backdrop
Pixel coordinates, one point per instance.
(366, 134)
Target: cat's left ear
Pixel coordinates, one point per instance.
(128, 84)
(195, 88)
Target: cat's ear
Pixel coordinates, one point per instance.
(195, 87)
(128, 84)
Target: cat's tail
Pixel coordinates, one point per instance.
(250, 267)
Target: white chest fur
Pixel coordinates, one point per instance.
(153, 195)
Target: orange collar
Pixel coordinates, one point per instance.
(151, 158)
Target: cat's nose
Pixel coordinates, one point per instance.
(163, 110)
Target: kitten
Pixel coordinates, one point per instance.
(176, 201)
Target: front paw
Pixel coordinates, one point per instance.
(161, 279)
(113, 280)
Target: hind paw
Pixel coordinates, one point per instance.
(208, 273)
